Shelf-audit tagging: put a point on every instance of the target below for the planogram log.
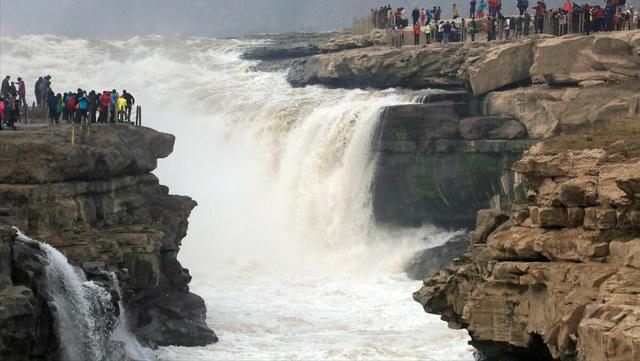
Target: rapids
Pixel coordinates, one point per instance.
(283, 247)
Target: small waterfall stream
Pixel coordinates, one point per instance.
(89, 319)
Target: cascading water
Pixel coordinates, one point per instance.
(89, 323)
(282, 246)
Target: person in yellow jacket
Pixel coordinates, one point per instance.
(121, 104)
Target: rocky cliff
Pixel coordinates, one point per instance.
(97, 202)
(555, 275)
(551, 85)
(423, 149)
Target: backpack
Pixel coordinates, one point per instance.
(72, 103)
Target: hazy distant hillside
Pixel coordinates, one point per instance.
(192, 17)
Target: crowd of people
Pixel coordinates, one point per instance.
(72, 107)
(487, 16)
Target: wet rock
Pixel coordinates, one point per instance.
(26, 324)
(428, 262)
(428, 174)
(174, 318)
(420, 121)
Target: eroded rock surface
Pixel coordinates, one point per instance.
(98, 204)
(382, 67)
(555, 277)
(551, 85)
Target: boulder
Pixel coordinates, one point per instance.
(174, 318)
(428, 262)
(503, 65)
(491, 127)
(547, 217)
(557, 57)
(611, 46)
(586, 59)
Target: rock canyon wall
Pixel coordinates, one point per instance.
(553, 275)
(98, 203)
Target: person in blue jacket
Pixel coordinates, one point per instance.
(52, 104)
(83, 107)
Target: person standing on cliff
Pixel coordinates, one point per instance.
(415, 15)
(22, 92)
(446, 32)
(5, 87)
(130, 103)
(519, 23)
(472, 29)
(1, 111)
(52, 105)
(60, 107)
(481, 9)
(526, 23)
(43, 88)
(397, 18)
(539, 8)
(472, 9)
(454, 11)
(37, 90)
(438, 13)
(416, 34)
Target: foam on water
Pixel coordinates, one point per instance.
(84, 313)
(283, 246)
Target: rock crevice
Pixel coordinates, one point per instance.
(561, 269)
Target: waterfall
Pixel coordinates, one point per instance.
(88, 317)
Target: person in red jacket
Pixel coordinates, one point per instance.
(105, 101)
(22, 92)
(416, 33)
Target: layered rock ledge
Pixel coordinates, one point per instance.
(556, 276)
(551, 85)
(440, 161)
(97, 202)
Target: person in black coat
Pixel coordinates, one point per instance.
(415, 15)
(52, 104)
(130, 102)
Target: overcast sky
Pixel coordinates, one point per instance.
(219, 18)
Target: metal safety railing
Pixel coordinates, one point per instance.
(551, 22)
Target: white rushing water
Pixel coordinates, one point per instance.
(84, 313)
(282, 246)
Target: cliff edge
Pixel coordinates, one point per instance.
(97, 202)
(555, 275)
